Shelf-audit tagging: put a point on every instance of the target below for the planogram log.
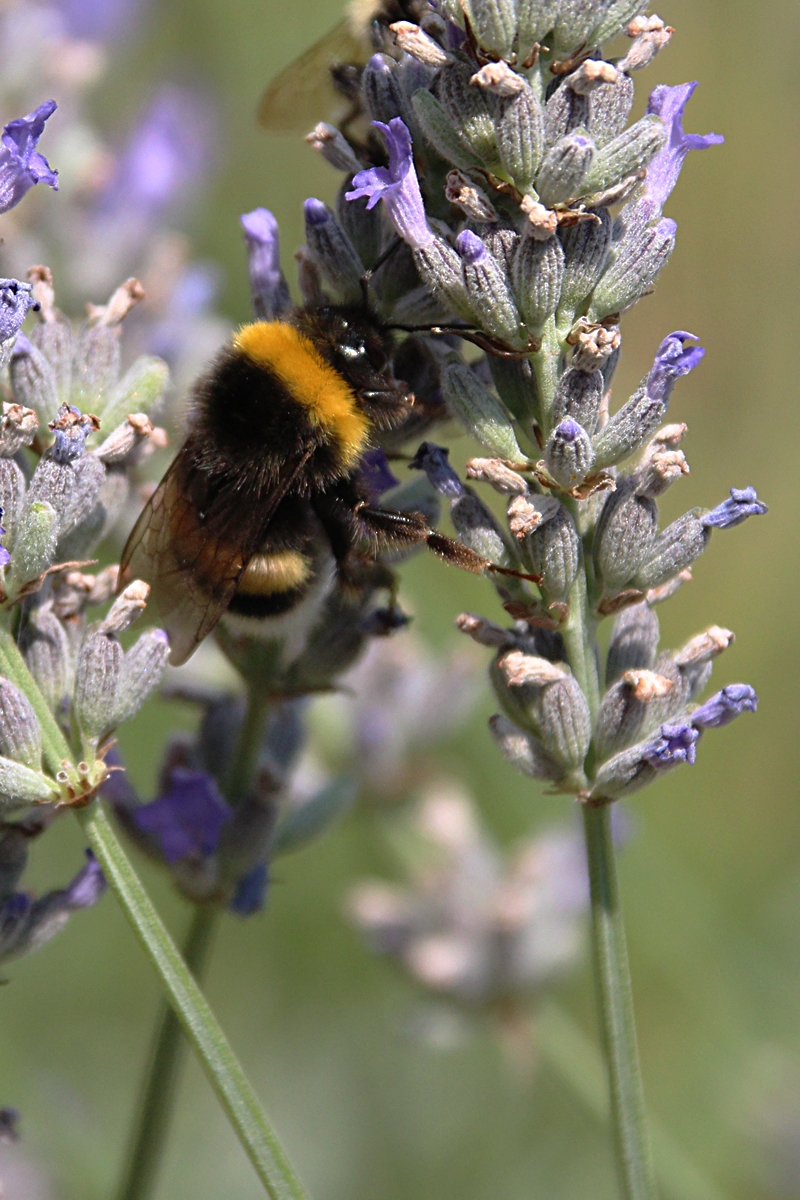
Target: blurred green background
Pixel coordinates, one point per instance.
(712, 876)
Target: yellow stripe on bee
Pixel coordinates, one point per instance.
(270, 574)
(314, 383)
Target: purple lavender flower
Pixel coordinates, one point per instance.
(188, 818)
(433, 460)
(21, 165)
(470, 247)
(166, 155)
(5, 557)
(743, 503)
(70, 430)
(376, 474)
(87, 887)
(397, 185)
(15, 301)
(268, 287)
(672, 360)
(250, 892)
(668, 103)
(675, 745)
(100, 20)
(725, 706)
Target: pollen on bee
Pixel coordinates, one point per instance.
(271, 574)
(324, 393)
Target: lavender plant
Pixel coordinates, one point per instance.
(505, 148)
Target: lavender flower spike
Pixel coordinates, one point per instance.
(672, 360)
(267, 284)
(725, 706)
(668, 103)
(188, 818)
(397, 185)
(743, 503)
(21, 165)
(676, 745)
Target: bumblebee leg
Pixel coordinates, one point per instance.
(400, 529)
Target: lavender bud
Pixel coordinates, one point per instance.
(585, 248)
(519, 129)
(478, 529)
(495, 24)
(649, 34)
(471, 111)
(673, 551)
(419, 44)
(363, 225)
(141, 672)
(438, 129)
(332, 251)
(441, 268)
(46, 647)
(479, 411)
(20, 786)
(579, 395)
(628, 429)
(568, 454)
(636, 263)
(96, 678)
(96, 366)
(527, 513)
(553, 551)
(701, 649)
(499, 476)
(268, 287)
(380, 90)
(624, 536)
(634, 642)
(20, 735)
(675, 745)
(538, 274)
(623, 715)
(590, 75)
(35, 542)
(466, 195)
(626, 153)
(12, 495)
(127, 608)
(659, 472)
(613, 19)
(564, 169)
(489, 291)
(516, 385)
(33, 379)
(328, 141)
(484, 632)
(725, 706)
(743, 503)
(609, 108)
(564, 721)
(535, 18)
(139, 390)
(18, 428)
(522, 750)
(564, 112)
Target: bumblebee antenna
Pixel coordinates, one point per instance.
(379, 261)
(471, 333)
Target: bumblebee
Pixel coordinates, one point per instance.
(264, 506)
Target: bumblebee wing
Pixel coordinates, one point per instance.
(191, 544)
(294, 100)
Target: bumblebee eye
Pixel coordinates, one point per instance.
(378, 358)
(353, 350)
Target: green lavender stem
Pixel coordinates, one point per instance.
(150, 1132)
(152, 1125)
(201, 1027)
(629, 1123)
